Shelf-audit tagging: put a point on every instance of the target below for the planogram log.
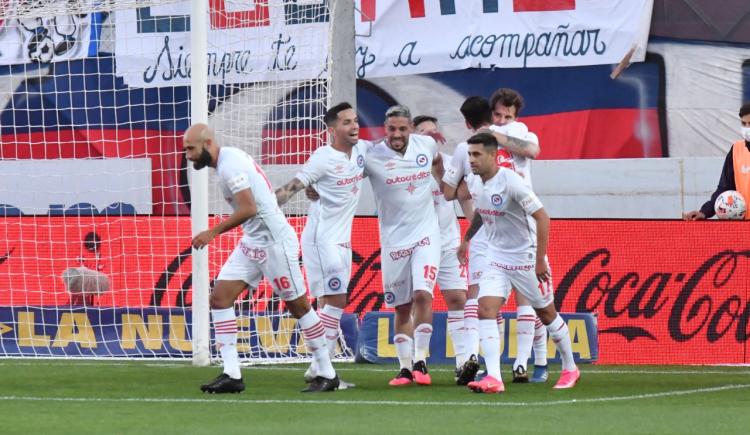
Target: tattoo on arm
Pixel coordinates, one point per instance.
(514, 142)
(476, 223)
(287, 191)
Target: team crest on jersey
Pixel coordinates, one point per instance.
(360, 161)
(497, 200)
(390, 297)
(334, 283)
(422, 160)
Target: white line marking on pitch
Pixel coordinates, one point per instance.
(376, 402)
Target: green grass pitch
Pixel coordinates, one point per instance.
(80, 397)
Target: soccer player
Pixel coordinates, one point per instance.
(530, 330)
(336, 171)
(268, 248)
(400, 169)
(517, 231)
(451, 275)
(506, 105)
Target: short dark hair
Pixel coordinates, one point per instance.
(332, 114)
(476, 111)
(485, 139)
(423, 118)
(508, 98)
(745, 109)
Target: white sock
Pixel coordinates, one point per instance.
(331, 317)
(525, 319)
(558, 330)
(490, 346)
(456, 332)
(315, 339)
(500, 329)
(471, 328)
(225, 331)
(540, 343)
(422, 335)
(404, 350)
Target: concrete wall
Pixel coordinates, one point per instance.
(621, 188)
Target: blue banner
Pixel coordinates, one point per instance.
(375, 344)
(141, 332)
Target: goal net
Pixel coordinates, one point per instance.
(95, 197)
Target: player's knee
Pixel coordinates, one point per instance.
(546, 314)
(422, 298)
(219, 301)
(455, 300)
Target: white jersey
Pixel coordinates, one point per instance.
(403, 196)
(505, 159)
(450, 235)
(506, 204)
(460, 167)
(338, 181)
(238, 171)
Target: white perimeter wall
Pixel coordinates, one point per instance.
(621, 188)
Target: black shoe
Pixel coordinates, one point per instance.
(224, 384)
(520, 376)
(419, 372)
(320, 384)
(468, 371)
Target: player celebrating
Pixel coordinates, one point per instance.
(477, 113)
(400, 171)
(530, 332)
(451, 275)
(268, 248)
(336, 170)
(517, 230)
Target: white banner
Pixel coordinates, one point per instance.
(247, 42)
(421, 36)
(45, 40)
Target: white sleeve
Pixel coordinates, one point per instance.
(522, 193)
(315, 168)
(455, 171)
(235, 177)
(515, 129)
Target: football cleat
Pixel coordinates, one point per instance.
(568, 379)
(224, 384)
(541, 374)
(321, 384)
(310, 375)
(520, 376)
(404, 377)
(420, 374)
(487, 385)
(468, 371)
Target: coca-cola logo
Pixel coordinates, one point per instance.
(689, 301)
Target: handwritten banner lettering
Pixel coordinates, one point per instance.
(250, 41)
(399, 37)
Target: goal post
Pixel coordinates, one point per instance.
(95, 188)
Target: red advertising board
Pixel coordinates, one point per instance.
(663, 291)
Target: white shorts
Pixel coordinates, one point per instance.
(277, 262)
(408, 268)
(499, 279)
(477, 261)
(451, 276)
(328, 268)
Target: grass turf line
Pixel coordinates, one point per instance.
(81, 397)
